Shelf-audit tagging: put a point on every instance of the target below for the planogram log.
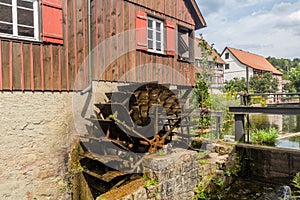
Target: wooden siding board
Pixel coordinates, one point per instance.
(132, 56)
(107, 25)
(102, 55)
(16, 58)
(65, 58)
(31, 67)
(119, 32)
(85, 42)
(42, 67)
(27, 69)
(75, 48)
(59, 81)
(5, 65)
(22, 66)
(71, 42)
(47, 67)
(1, 74)
(79, 45)
(122, 41)
(126, 40)
(55, 68)
(37, 68)
(113, 46)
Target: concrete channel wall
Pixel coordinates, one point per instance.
(270, 163)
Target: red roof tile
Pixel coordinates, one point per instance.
(253, 60)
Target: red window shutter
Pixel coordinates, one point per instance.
(170, 43)
(52, 30)
(141, 30)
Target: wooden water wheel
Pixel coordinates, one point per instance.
(141, 117)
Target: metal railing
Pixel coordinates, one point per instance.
(247, 99)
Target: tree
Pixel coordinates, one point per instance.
(264, 84)
(201, 93)
(205, 63)
(294, 77)
(235, 85)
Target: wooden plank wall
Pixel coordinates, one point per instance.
(31, 67)
(115, 33)
(27, 66)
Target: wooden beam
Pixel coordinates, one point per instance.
(287, 110)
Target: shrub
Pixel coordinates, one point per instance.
(264, 136)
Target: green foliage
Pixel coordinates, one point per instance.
(227, 172)
(218, 181)
(289, 87)
(294, 77)
(161, 152)
(264, 136)
(283, 64)
(201, 93)
(291, 71)
(150, 181)
(263, 84)
(258, 100)
(296, 184)
(202, 100)
(206, 63)
(200, 190)
(235, 86)
(203, 161)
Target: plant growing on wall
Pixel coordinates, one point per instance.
(265, 136)
(296, 184)
(201, 95)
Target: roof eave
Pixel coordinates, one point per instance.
(197, 15)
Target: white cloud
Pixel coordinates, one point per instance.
(260, 26)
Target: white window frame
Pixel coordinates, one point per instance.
(15, 24)
(154, 39)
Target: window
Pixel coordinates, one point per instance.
(226, 66)
(198, 63)
(184, 44)
(226, 55)
(19, 19)
(155, 35)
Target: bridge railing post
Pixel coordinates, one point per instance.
(239, 127)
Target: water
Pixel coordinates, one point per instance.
(289, 143)
(284, 123)
(249, 190)
(286, 192)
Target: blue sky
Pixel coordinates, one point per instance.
(264, 27)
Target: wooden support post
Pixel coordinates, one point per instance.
(218, 125)
(239, 125)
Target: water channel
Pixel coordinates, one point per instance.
(286, 124)
(249, 189)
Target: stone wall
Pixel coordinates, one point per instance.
(35, 141)
(177, 174)
(182, 174)
(37, 133)
(269, 163)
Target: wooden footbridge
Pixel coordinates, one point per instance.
(276, 103)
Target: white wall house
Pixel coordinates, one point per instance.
(240, 63)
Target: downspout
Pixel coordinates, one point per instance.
(89, 88)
